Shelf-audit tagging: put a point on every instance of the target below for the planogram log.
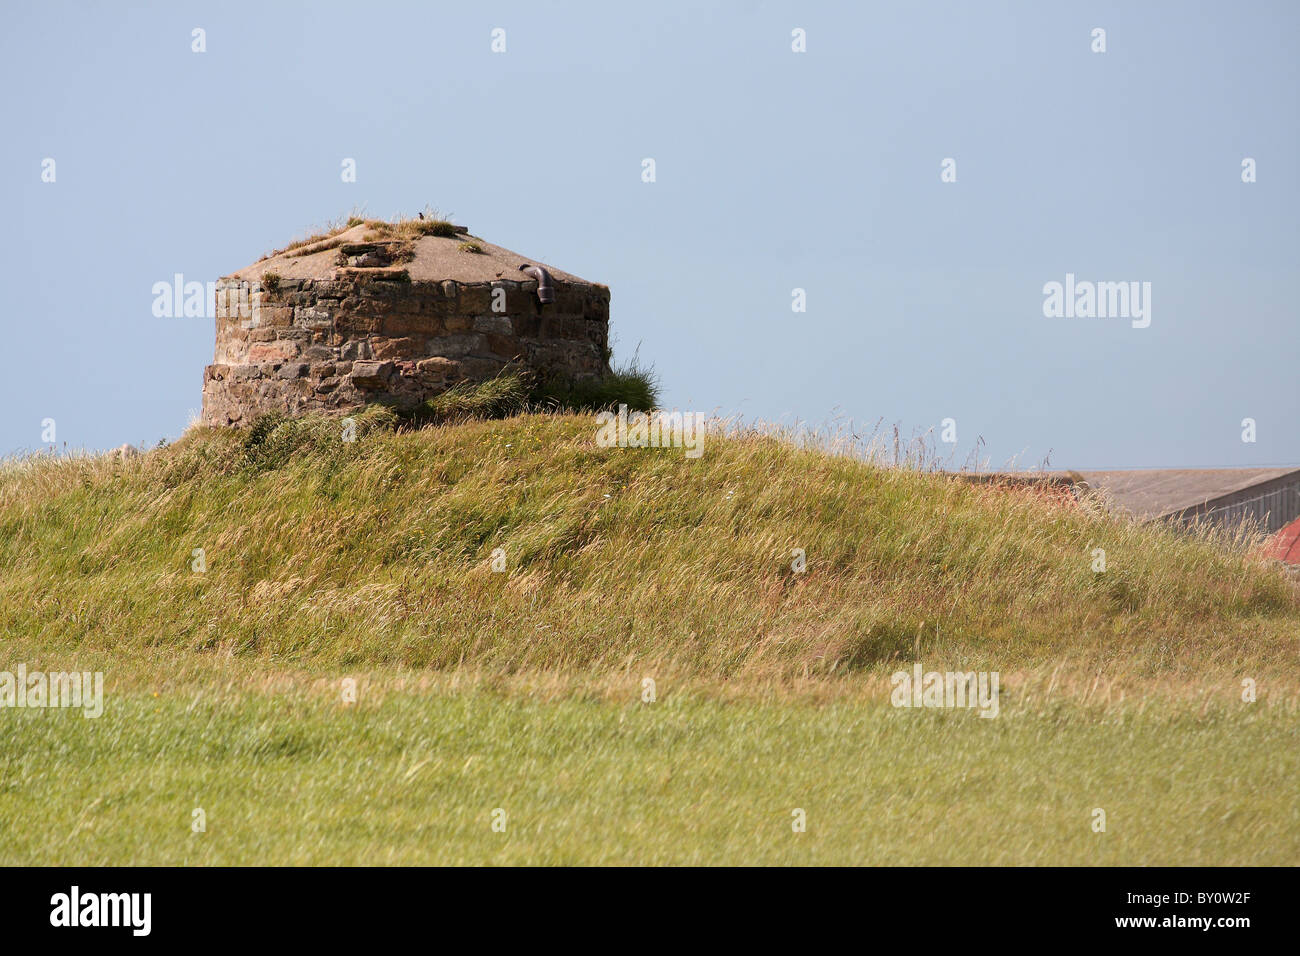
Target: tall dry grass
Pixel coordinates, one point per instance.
(321, 553)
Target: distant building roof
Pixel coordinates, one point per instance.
(1163, 492)
(1269, 498)
(1285, 545)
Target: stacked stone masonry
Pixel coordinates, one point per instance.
(336, 345)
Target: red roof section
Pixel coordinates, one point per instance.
(1285, 545)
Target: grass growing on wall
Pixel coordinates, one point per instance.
(513, 392)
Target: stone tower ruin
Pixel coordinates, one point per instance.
(394, 314)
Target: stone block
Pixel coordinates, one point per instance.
(454, 346)
(404, 323)
(313, 317)
(318, 353)
(356, 349)
(402, 348)
(277, 351)
(526, 326)
(274, 316)
(437, 369)
(475, 299)
(371, 375)
(507, 346)
(496, 324)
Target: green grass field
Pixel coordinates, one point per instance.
(522, 690)
(295, 777)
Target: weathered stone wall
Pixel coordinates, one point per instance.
(338, 344)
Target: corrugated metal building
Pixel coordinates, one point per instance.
(1269, 497)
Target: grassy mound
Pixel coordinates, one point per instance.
(345, 679)
(323, 552)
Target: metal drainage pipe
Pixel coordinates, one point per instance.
(545, 291)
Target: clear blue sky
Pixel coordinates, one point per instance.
(775, 170)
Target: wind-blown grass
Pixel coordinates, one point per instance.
(319, 550)
(524, 690)
(295, 777)
(630, 385)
